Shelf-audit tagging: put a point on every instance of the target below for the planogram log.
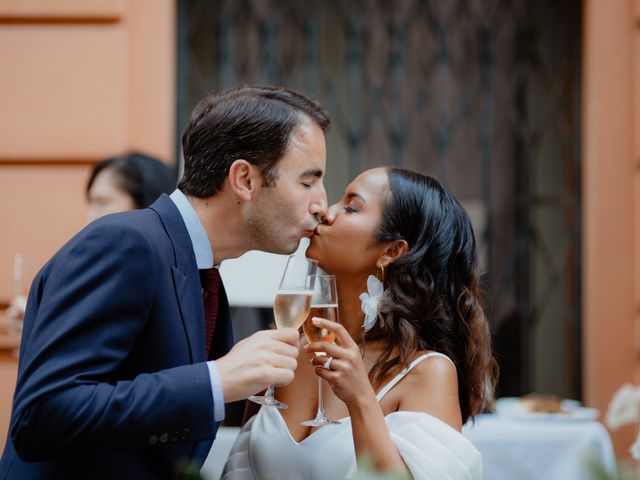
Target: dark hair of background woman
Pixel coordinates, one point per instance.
(434, 300)
(144, 178)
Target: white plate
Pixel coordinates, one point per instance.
(510, 407)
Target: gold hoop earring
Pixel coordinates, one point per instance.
(381, 268)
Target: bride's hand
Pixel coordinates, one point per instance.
(347, 374)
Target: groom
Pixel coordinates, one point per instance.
(125, 363)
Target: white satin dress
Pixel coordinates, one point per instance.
(430, 448)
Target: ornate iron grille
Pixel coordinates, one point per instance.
(483, 94)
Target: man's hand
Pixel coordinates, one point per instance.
(265, 358)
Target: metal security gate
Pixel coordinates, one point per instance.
(482, 94)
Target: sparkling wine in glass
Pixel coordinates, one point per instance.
(318, 334)
(291, 307)
(324, 304)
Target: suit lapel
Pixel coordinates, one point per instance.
(185, 276)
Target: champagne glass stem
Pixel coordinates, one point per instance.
(320, 414)
(268, 399)
(270, 392)
(17, 274)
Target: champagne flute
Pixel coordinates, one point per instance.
(15, 313)
(324, 304)
(291, 306)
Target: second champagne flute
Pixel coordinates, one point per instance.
(324, 304)
(291, 306)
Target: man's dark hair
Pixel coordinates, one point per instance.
(253, 123)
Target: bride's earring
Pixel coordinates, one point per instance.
(381, 269)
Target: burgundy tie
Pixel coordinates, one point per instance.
(210, 280)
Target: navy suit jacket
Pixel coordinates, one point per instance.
(112, 379)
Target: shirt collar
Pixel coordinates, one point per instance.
(201, 246)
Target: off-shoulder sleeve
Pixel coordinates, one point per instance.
(431, 449)
(238, 466)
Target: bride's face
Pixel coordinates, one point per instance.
(345, 242)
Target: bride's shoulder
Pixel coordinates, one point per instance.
(432, 387)
(433, 365)
(426, 371)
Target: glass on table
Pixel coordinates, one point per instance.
(14, 315)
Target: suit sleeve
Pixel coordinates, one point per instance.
(90, 310)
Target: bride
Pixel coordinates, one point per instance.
(412, 360)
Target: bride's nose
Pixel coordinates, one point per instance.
(331, 214)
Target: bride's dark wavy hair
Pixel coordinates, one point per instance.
(433, 299)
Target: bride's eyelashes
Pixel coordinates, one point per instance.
(349, 209)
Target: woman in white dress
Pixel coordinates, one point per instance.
(412, 359)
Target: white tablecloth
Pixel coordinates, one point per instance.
(539, 449)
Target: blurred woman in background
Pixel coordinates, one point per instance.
(127, 182)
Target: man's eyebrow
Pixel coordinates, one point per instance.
(312, 172)
(351, 195)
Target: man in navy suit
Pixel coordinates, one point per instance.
(114, 380)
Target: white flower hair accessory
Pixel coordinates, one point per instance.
(371, 302)
(624, 407)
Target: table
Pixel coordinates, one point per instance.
(521, 449)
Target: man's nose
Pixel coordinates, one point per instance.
(318, 207)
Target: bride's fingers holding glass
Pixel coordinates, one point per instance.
(346, 374)
(327, 362)
(345, 349)
(342, 336)
(342, 359)
(348, 381)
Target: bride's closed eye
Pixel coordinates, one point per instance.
(349, 209)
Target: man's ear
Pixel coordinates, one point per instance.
(391, 252)
(243, 179)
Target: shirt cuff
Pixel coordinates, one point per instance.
(216, 389)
